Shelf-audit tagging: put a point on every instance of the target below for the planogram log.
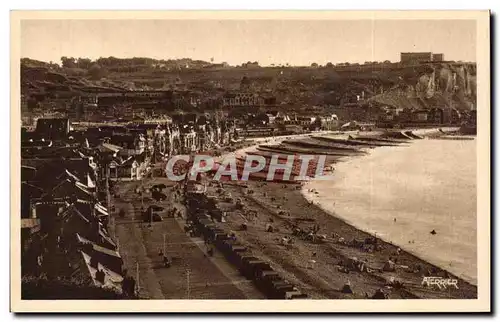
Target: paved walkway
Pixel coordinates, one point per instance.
(140, 246)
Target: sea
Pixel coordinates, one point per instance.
(403, 193)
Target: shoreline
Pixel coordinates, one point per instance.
(387, 235)
(407, 262)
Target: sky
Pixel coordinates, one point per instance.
(297, 42)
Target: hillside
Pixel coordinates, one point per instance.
(393, 84)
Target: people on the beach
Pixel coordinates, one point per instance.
(166, 261)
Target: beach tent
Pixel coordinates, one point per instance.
(389, 266)
(346, 289)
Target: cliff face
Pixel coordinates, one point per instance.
(443, 85)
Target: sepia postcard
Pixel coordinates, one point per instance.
(258, 161)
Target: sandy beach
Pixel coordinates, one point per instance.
(318, 267)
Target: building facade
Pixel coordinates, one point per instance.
(421, 57)
(407, 58)
(247, 99)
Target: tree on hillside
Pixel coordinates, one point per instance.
(53, 65)
(84, 63)
(329, 65)
(96, 72)
(68, 62)
(314, 65)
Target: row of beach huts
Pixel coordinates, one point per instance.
(265, 278)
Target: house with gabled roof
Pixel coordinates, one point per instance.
(131, 168)
(101, 275)
(107, 257)
(69, 187)
(48, 172)
(109, 148)
(65, 216)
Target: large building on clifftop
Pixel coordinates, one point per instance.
(421, 57)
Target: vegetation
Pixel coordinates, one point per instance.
(96, 72)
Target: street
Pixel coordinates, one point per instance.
(193, 274)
